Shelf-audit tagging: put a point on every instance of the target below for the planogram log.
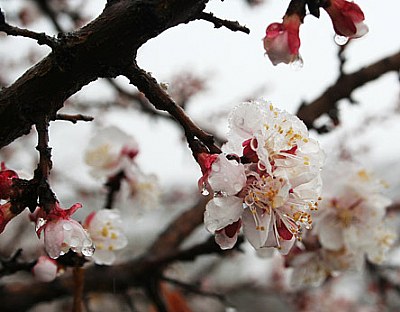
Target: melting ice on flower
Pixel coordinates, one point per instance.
(61, 233)
(268, 182)
(105, 228)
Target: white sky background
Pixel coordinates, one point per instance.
(236, 68)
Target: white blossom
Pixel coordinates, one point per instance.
(110, 151)
(105, 228)
(272, 182)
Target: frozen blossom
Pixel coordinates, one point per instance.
(105, 229)
(267, 181)
(61, 233)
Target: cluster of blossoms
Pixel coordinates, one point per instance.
(100, 235)
(267, 182)
(350, 225)
(282, 41)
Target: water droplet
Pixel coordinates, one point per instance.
(249, 200)
(74, 242)
(297, 64)
(220, 194)
(67, 227)
(87, 243)
(39, 223)
(237, 187)
(230, 309)
(204, 190)
(341, 40)
(88, 251)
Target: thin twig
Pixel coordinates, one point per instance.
(113, 185)
(74, 118)
(78, 274)
(218, 23)
(41, 38)
(162, 101)
(46, 196)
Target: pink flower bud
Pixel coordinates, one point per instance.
(347, 18)
(282, 42)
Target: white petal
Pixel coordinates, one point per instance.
(255, 235)
(224, 241)
(222, 211)
(227, 176)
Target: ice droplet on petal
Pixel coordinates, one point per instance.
(88, 251)
(297, 64)
(87, 243)
(341, 40)
(249, 200)
(74, 242)
(237, 187)
(67, 227)
(204, 190)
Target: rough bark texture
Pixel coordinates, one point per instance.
(100, 49)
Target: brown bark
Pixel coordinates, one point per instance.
(102, 48)
(344, 86)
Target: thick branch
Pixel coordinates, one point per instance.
(344, 86)
(100, 49)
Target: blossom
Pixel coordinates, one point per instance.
(347, 18)
(61, 233)
(110, 151)
(105, 228)
(282, 42)
(268, 180)
(45, 269)
(352, 222)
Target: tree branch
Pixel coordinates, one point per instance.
(344, 86)
(99, 49)
(218, 23)
(162, 101)
(41, 38)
